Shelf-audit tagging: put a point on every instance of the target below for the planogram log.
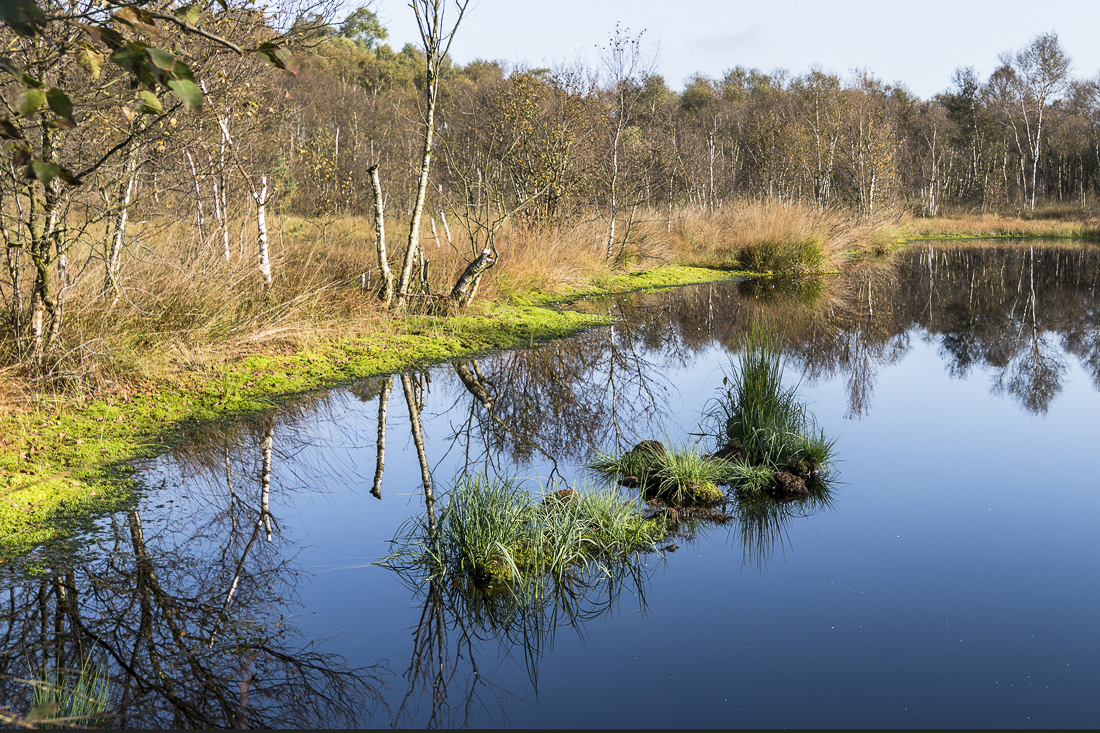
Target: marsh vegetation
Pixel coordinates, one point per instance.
(494, 532)
(765, 437)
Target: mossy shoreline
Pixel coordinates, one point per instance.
(65, 460)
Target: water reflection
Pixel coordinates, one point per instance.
(460, 623)
(185, 610)
(1014, 310)
(187, 603)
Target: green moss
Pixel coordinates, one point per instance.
(662, 277)
(35, 510)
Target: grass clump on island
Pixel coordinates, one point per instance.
(493, 532)
(762, 428)
(676, 476)
(766, 440)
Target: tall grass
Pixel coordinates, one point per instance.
(783, 238)
(762, 425)
(184, 304)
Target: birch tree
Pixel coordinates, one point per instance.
(1042, 73)
(437, 29)
(625, 65)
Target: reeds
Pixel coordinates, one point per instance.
(77, 698)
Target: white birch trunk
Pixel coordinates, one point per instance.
(261, 225)
(198, 197)
(386, 294)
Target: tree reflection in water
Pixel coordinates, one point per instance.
(459, 619)
(1015, 310)
(186, 613)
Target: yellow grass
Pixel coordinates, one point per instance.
(184, 305)
(1043, 223)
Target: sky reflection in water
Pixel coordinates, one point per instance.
(951, 583)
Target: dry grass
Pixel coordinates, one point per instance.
(776, 236)
(1045, 222)
(184, 304)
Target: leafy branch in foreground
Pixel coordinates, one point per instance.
(125, 35)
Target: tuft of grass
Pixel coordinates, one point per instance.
(763, 426)
(77, 697)
(679, 476)
(751, 478)
(492, 531)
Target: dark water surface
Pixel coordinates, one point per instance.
(952, 580)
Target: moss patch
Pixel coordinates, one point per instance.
(662, 277)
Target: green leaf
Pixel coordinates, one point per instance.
(150, 104)
(133, 59)
(29, 102)
(8, 130)
(42, 171)
(89, 59)
(188, 13)
(181, 71)
(137, 18)
(162, 59)
(60, 103)
(286, 60)
(22, 16)
(277, 55)
(188, 92)
(103, 34)
(68, 178)
(20, 152)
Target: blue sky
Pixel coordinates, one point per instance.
(917, 43)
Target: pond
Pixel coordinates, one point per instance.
(946, 578)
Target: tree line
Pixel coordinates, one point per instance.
(214, 112)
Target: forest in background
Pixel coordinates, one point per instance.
(150, 216)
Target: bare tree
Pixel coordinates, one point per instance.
(436, 33)
(625, 65)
